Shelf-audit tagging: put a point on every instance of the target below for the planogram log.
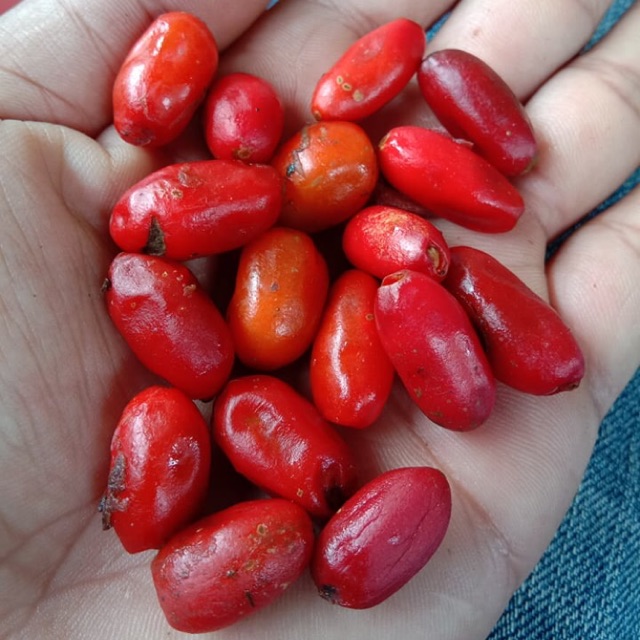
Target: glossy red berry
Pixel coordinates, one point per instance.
(232, 564)
(281, 287)
(473, 102)
(195, 209)
(350, 373)
(435, 350)
(383, 239)
(243, 118)
(382, 537)
(163, 79)
(373, 71)
(329, 171)
(277, 439)
(170, 323)
(528, 345)
(159, 471)
(449, 179)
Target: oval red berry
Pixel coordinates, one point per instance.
(382, 239)
(159, 471)
(277, 439)
(372, 71)
(281, 287)
(382, 537)
(329, 171)
(350, 373)
(170, 323)
(449, 179)
(527, 343)
(163, 79)
(435, 350)
(195, 209)
(232, 564)
(473, 102)
(243, 118)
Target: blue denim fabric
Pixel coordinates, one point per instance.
(587, 585)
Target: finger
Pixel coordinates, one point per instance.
(587, 119)
(598, 269)
(59, 57)
(523, 41)
(298, 42)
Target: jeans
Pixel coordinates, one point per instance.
(587, 585)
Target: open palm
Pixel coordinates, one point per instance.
(66, 374)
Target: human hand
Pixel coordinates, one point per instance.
(67, 375)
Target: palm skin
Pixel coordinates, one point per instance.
(66, 374)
